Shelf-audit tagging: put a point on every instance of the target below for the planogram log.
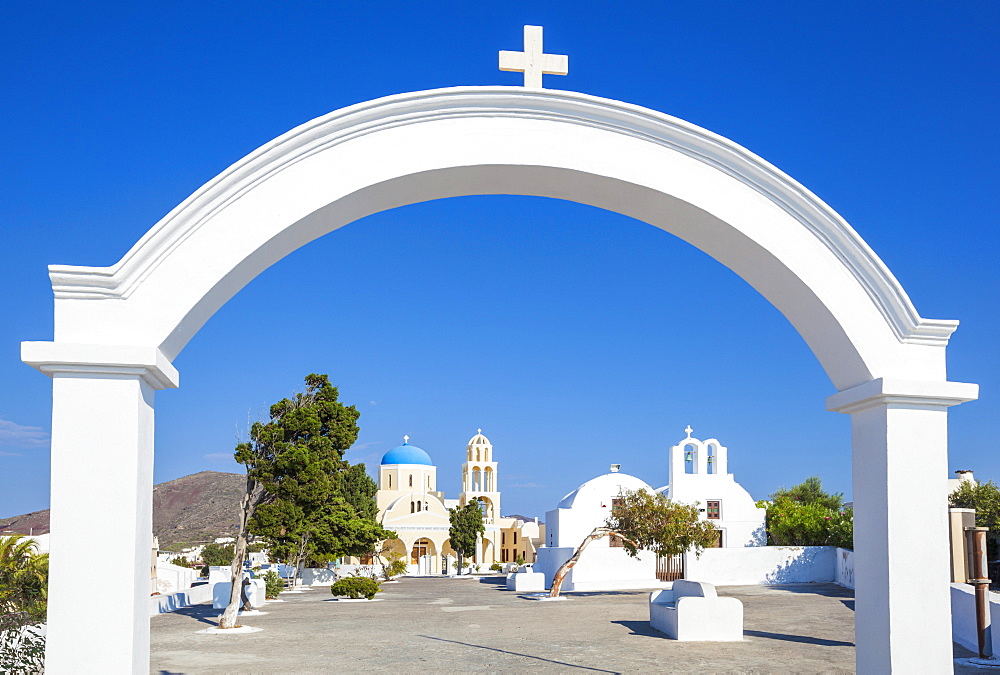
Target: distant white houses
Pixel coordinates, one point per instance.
(697, 473)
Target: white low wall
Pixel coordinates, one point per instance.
(599, 569)
(963, 617)
(318, 576)
(762, 565)
(844, 568)
(160, 604)
(171, 578)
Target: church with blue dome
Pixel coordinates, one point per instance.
(410, 504)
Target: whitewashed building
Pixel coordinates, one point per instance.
(698, 473)
(605, 565)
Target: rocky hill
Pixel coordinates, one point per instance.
(193, 508)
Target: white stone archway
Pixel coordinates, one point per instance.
(117, 329)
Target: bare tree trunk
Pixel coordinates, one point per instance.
(248, 505)
(461, 559)
(300, 557)
(569, 564)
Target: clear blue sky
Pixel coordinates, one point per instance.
(599, 337)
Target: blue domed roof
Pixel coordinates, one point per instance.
(407, 454)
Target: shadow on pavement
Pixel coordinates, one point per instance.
(202, 613)
(849, 604)
(527, 656)
(494, 581)
(798, 638)
(641, 628)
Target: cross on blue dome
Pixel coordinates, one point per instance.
(406, 454)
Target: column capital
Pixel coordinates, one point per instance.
(101, 361)
(902, 394)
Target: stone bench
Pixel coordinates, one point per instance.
(255, 593)
(692, 611)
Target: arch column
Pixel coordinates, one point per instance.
(899, 433)
(101, 481)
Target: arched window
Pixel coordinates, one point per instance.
(418, 507)
(411, 480)
(711, 456)
(477, 454)
(428, 482)
(413, 507)
(690, 459)
(390, 479)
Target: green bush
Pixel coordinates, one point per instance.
(22, 646)
(496, 567)
(218, 555)
(792, 523)
(396, 567)
(273, 584)
(356, 587)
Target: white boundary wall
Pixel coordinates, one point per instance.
(844, 572)
(963, 617)
(161, 604)
(319, 576)
(762, 565)
(599, 569)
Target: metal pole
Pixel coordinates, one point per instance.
(977, 568)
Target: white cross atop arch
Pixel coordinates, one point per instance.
(532, 61)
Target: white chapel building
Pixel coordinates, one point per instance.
(410, 503)
(698, 473)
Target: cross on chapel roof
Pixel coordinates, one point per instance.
(532, 61)
(688, 430)
(406, 439)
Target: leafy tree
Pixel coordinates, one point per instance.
(217, 555)
(806, 515)
(985, 499)
(466, 527)
(360, 491)
(643, 520)
(293, 500)
(24, 577)
(810, 491)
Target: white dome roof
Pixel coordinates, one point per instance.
(594, 491)
(479, 439)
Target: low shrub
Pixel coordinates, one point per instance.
(496, 567)
(273, 584)
(356, 587)
(396, 567)
(22, 645)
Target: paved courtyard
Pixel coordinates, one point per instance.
(449, 625)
